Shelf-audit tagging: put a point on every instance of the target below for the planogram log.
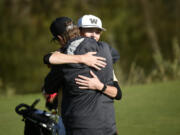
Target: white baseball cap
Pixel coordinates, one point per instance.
(90, 21)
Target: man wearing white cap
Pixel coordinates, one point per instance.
(91, 26)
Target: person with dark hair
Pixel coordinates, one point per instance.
(83, 111)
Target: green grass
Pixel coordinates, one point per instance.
(10, 122)
(152, 109)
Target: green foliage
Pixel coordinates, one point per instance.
(135, 28)
(171, 68)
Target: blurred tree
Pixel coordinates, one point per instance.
(144, 32)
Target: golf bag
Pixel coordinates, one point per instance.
(38, 122)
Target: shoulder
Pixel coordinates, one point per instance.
(73, 45)
(103, 43)
(89, 41)
(87, 45)
(81, 45)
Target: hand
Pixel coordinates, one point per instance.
(52, 101)
(94, 61)
(89, 83)
(50, 97)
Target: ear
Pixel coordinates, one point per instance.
(61, 40)
(59, 37)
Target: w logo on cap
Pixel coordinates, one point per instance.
(93, 21)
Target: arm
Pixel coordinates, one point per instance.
(51, 87)
(52, 81)
(115, 54)
(87, 59)
(95, 84)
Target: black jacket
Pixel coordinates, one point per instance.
(83, 108)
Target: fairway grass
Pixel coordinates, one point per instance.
(152, 109)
